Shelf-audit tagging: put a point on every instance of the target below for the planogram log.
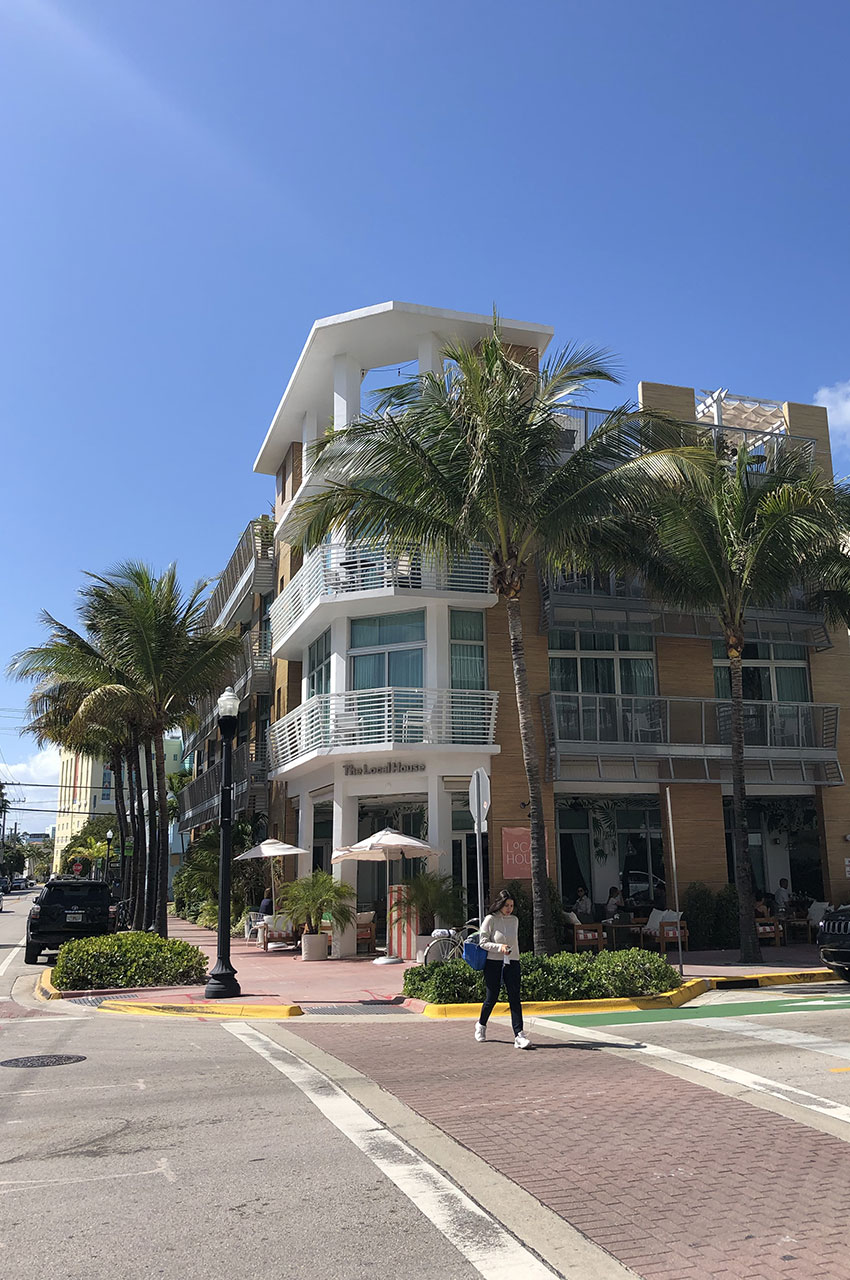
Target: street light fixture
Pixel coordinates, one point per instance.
(222, 984)
(109, 838)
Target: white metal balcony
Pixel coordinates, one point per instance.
(359, 573)
(689, 739)
(345, 723)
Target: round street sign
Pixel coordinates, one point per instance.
(77, 868)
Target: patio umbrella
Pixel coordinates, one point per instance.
(271, 849)
(385, 846)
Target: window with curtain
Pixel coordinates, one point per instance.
(392, 659)
(771, 672)
(319, 666)
(608, 674)
(466, 630)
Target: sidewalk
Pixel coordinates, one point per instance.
(709, 964)
(284, 975)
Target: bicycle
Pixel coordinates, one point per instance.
(448, 945)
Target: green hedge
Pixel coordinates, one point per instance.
(127, 960)
(567, 976)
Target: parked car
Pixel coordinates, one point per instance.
(834, 941)
(68, 908)
(5, 884)
(1, 902)
(18, 883)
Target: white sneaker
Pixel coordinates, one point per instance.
(480, 1032)
(522, 1041)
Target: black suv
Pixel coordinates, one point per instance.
(66, 908)
(834, 941)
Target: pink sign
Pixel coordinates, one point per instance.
(516, 853)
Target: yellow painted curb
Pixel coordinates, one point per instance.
(776, 979)
(666, 1000)
(44, 988)
(206, 1010)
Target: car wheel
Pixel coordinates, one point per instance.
(841, 971)
(31, 954)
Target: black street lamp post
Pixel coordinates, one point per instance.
(222, 983)
(109, 839)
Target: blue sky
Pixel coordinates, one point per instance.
(188, 186)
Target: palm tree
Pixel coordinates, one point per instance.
(143, 657)
(158, 638)
(477, 460)
(731, 540)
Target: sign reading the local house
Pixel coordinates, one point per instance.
(516, 853)
(392, 766)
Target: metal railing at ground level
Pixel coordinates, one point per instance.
(375, 717)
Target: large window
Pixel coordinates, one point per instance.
(387, 651)
(601, 662)
(466, 629)
(319, 666)
(771, 672)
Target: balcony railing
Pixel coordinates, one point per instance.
(252, 668)
(765, 448)
(249, 570)
(336, 569)
(199, 801)
(384, 717)
(639, 722)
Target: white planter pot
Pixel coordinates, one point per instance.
(421, 942)
(314, 946)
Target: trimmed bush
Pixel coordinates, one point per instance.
(566, 976)
(727, 928)
(127, 960)
(699, 909)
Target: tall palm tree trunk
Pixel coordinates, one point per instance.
(152, 861)
(161, 914)
(140, 854)
(117, 766)
(543, 934)
(128, 888)
(750, 950)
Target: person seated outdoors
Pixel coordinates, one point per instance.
(762, 910)
(267, 905)
(782, 897)
(583, 907)
(615, 902)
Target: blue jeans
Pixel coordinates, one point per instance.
(495, 973)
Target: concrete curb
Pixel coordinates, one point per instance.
(204, 1009)
(689, 990)
(666, 1000)
(45, 990)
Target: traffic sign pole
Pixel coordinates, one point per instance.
(479, 804)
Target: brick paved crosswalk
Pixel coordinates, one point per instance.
(675, 1180)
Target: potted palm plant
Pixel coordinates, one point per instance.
(308, 900)
(423, 899)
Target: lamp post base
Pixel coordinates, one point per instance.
(222, 984)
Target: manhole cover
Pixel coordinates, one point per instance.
(45, 1060)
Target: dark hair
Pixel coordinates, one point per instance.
(499, 901)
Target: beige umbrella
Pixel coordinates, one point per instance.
(385, 846)
(271, 849)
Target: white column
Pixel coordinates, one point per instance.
(339, 650)
(347, 381)
(344, 833)
(309, 436)
(430, 353)
(305, 834)
(440, 828)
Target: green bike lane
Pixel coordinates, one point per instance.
(729, 1005)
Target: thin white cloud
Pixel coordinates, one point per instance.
(836, 401)
(32, 807)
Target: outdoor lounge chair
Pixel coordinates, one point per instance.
(588, 935)
(252, 924)
(769, 928)
(275, 929)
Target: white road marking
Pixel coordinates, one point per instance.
(778, 1035)
(734, 1075)
(163, 1169)
(10, 957)
(484, 1243)
(44, 1017)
